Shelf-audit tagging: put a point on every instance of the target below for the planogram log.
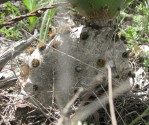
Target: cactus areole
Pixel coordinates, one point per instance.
(99, 9)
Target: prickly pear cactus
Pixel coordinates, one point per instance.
(99, 9)
(77, 57)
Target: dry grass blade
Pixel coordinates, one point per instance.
(113, 117)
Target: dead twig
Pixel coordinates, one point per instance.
(37, 13)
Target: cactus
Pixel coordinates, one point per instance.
(99, 9)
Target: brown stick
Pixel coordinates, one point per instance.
(37, 13)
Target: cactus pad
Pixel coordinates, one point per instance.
(99, 9)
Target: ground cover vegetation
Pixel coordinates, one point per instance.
(39, 50)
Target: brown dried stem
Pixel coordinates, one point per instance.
(37, 13)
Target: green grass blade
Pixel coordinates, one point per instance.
(43, 25)
(46, 20)
(145, 113)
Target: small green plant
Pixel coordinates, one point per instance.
(32, 5)
(2, 15)
(12, 33)
(137, 31)
(134, 26)
(11, 11)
